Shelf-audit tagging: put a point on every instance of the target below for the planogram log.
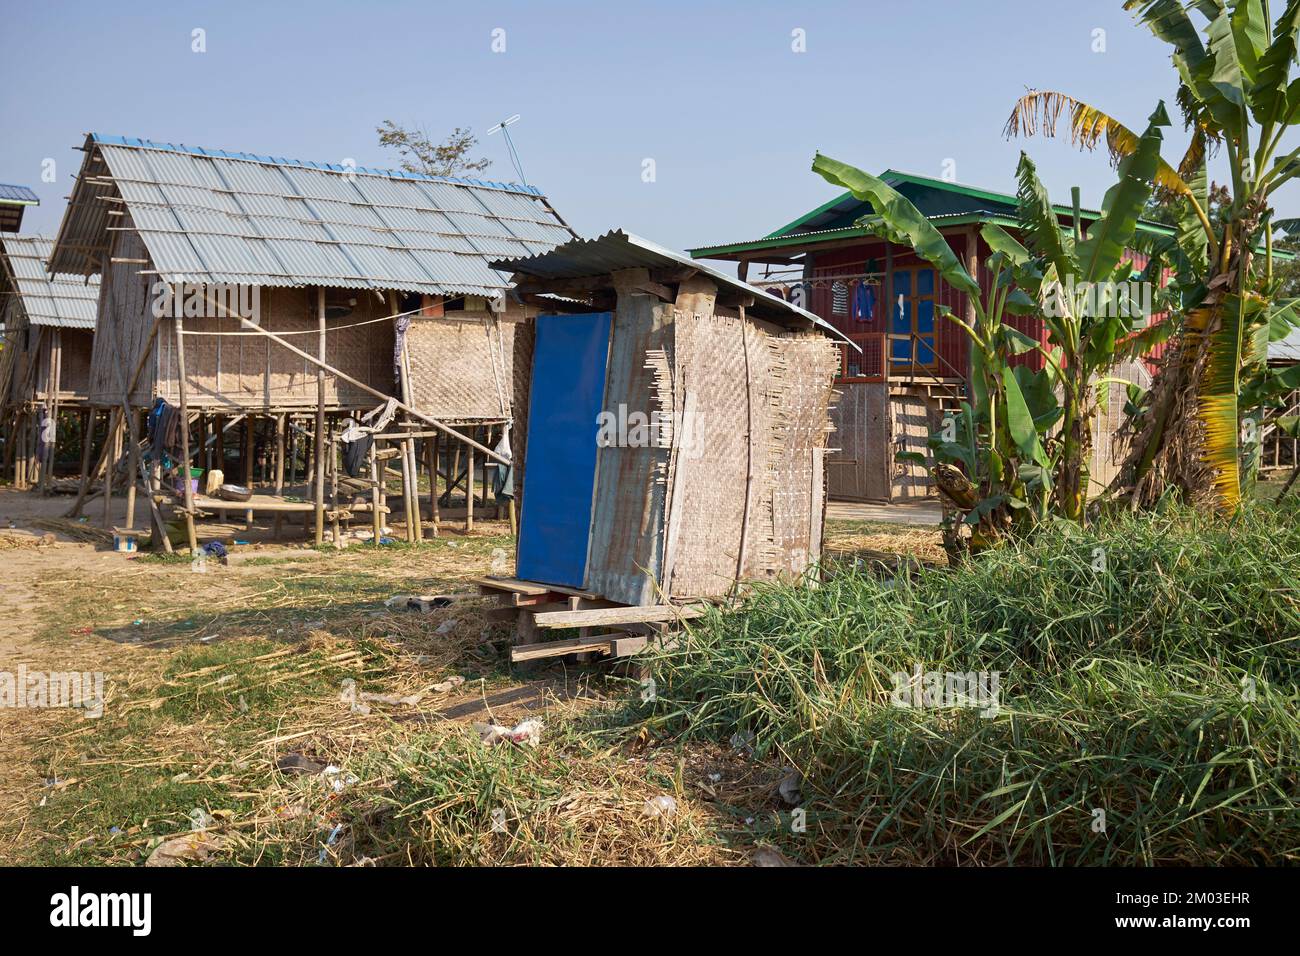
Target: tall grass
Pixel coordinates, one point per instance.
(1148, 707)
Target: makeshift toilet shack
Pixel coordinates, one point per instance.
(677, 426)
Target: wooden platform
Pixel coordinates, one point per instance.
(605, 628)
(270, 503)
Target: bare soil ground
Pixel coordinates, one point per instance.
(214, 678)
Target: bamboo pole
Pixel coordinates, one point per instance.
(133, 469)
(250, 450)
(319, 446)
(431, 453)
(334, 492)
(362, 386)
(185, 437)
(376, 515)
(114, 444)
(469, 489)
(280, 423)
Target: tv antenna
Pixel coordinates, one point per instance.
(504, 129)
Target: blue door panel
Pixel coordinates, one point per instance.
(568, 391)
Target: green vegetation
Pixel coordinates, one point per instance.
(1149, 669)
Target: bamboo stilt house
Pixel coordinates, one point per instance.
(170, 227)
(686, 452)
(244, 285)
(49, 330)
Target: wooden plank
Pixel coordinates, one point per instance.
(529, 587)
(510, 584)
(599, 643)
(614, 616)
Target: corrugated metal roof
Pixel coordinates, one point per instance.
(215, 216)
(19, 194)
(1287, 349)
(622, 250)
(61, 300)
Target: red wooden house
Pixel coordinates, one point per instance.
(913, 364)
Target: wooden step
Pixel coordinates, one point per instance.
(614, 616)
(617, 645)
(599, 643)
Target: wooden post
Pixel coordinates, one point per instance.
(431, 452)
(469, 488)
(406, 492)
(280, 423)
(250, 450)
(334, 491)
(185, 437)
(115, 452)
(376, 503)
(133, 469)
(87, 440)
(319, 445)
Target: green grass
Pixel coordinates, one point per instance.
(1124, 657)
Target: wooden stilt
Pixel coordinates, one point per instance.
(469, 488)
(319, 446)
(280, 423)
(185, 438)
(335, 531)
(132, 468)
(250, 451)
(115, 452)
(376, 502)
(431, 450)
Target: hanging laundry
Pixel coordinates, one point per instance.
(356, 455)
(864, 302)
(505, 477)
(164, 430)
(839, 298)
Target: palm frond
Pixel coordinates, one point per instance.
(1039, 112)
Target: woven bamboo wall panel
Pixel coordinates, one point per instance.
(241, 369)
(711, 466)
(801, 427)
(463, 365)
(762, 400)
(1108, 448)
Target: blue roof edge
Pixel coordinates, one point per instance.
(135, 141)
(13, 193)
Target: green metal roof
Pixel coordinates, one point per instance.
(944, 203)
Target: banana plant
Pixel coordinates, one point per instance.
(1236, 96)
(993, 459)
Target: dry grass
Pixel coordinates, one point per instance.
(212, 679)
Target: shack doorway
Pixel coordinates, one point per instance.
(570, 357)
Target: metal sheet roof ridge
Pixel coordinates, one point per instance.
(133, 142)
(21, 195)
(631, 239)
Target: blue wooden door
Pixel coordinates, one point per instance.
(568, 391)
(912, 318)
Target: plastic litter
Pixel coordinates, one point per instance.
(662, 807)
(527, 733)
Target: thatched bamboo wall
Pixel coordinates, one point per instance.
(749, 404)
(244, 371)
(470, 365)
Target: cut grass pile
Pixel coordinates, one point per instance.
(1147, 699)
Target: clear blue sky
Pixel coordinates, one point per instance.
(711, 91)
